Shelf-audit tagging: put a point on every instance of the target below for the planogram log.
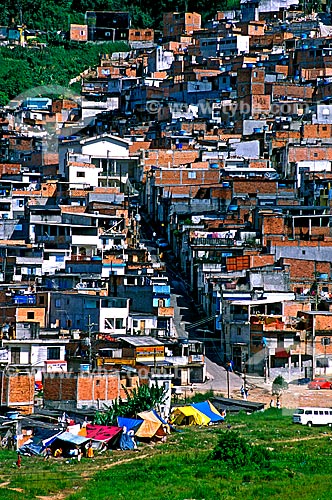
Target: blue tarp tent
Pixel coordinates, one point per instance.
(129, 423)
(41, 439)
(209, 410)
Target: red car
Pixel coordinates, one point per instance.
(320, 383)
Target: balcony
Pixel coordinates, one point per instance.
(218, 242)
(264, 323)
(84, 240)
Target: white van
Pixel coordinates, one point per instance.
(313, 416)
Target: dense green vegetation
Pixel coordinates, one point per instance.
(25, 68)
(22, 69)
(291, 462)
(141, 398)
(58, 14)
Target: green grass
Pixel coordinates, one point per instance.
(182, 468)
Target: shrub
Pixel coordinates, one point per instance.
(235, 450)
(279, 384)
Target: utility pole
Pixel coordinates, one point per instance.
(228, 367)
(90, 326)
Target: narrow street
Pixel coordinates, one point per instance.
(186, 312)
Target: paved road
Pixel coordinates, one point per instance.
(218, 379)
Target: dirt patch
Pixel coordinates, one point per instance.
(56, 496)
(295, 396)
(5, 485)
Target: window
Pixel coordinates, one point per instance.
(97, 382)
(57, 302)
(191, 175)
(15, 355)
(256, 340)
(315, 412)
(135, 323)
(239, 331)
(308, 412)
(82, 33)
(80, 174)
(21, 203)
(137, 33)
(41, 300)
(303, 252)
(53, 353)
(118, 323)
(315, 155)
(108, 324)
(30, 315)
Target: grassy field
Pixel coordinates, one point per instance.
(182, 468)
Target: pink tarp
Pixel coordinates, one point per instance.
(102, 432)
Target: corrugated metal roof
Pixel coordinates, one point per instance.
(141, 341)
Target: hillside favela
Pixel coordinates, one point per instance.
(165, 250)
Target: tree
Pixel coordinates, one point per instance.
(278, 385)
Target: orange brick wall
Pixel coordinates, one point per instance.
(323, 322)
(39, 315)
(76, 31)
(82, 387)
(273, 225)
(142, 35)
(163, 158)
(306, 268)
(292, 308)
(292, 91)
(17, 390)
(317, 131)
(303, 153)
(58, 387)
(178, 177)
(245, 187)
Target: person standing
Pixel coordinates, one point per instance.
(90, 453)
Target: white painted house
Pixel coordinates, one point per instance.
(82, 175)
(36, 354)
(109, 153)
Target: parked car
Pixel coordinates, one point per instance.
(320, 383)
(162, 243)
(300, 381)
